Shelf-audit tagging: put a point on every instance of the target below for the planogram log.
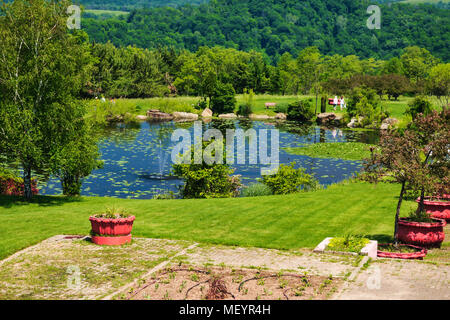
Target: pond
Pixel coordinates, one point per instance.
(134, 156)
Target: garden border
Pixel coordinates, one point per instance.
(369, 250)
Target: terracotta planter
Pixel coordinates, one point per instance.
(112, 227)
(423, 234)
(111, 241)
(419, 254)
(437, 209)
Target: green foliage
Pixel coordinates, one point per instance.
(439, 82)
(36, 101)
(256, 190)
(165, 196)
(246, 108)
(126, 72)
(207, 180)
(420, 216)
(275, 29)
(113, 213)
(6, 173)
(76, 159)
(300, 111)
(223, 99)
(420, 105)
(364, 103)
(290, 180)
(201, 105)
(129, 5)
(348, 243)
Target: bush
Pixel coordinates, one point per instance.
(364, 103)
(201, 105)
(282, 108)
(246, 108)
(290, 180)
(420, 105)
(256, 190)
(207, 181)
(300, 111)
(223, 100)
(348, 243)
(12, 185)
(113, 213)
(76, 160)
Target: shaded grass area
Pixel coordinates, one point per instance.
(338, 150)
(279, 222)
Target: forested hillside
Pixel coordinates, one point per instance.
(278, 26)
(128, 5)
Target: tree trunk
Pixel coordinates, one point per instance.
(397, 215)
(421, 206)
(317, 97)
(28, 193)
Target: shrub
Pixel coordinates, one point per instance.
(282, 108)
(223, 100)
(12, 185)
(290, 180)
(256, 190)
(300, 111)
(201, 105)
(113, 213)
(76, 160)
(420, 105)
(246, 108)
(207, 180)
(348, 243)
(364, 103)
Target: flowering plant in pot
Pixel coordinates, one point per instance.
(112, 227)
(417, 159)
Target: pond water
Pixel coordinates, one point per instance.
(134, 155)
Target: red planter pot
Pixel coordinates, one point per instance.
(111, 241)
(437, 209)
(419, 254)
(423, 234)
(112, 227)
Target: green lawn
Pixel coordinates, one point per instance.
(337, 150)
(283, 222)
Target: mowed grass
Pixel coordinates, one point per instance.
(280, 222)
(261, 100)
(337, 150)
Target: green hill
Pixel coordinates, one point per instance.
(278, 26)
(127, 5)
